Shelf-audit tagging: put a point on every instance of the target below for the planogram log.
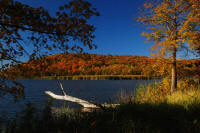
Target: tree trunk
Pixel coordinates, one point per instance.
(174, 72)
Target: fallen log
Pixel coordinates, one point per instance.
(84, 103)
(66, 97)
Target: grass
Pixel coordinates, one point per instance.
(184, 98)
(187, 92)
(126, 118)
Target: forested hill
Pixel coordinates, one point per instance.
(93, 64)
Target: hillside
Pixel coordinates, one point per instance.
(93, 64)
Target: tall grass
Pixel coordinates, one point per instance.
(187, 93)
(124, 97)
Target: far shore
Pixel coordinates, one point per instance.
(96, 77)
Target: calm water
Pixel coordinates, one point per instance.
(92, 90)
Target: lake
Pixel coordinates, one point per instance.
(101, 91)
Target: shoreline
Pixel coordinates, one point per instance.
(95, 77)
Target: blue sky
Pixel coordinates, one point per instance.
(117, 31)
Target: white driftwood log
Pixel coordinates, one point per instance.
(66, 97)
(84, 103)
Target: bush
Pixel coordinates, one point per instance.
(187, 92)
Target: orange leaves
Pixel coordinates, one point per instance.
(148, 5)
(91, 64)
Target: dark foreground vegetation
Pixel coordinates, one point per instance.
(127, 118)
(154, 110)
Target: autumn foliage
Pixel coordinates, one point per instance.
(93, 64)
(173, 26)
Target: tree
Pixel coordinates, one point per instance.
(173, 26)
(33, 33)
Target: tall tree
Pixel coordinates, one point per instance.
(174, 26)
(33, 32)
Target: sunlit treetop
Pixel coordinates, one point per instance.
(172, 23)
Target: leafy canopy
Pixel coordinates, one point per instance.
(172, 23)
(31, 32)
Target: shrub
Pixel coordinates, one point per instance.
(187, 92)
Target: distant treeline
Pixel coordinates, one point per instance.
(69, 65)
(100, 77)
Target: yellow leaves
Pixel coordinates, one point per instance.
(147, 35)
(148, 5)
(172, 23)
(142, 94)
(166, 84)
(160, 92)
(149, 89)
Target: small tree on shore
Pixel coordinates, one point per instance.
(173, 26)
